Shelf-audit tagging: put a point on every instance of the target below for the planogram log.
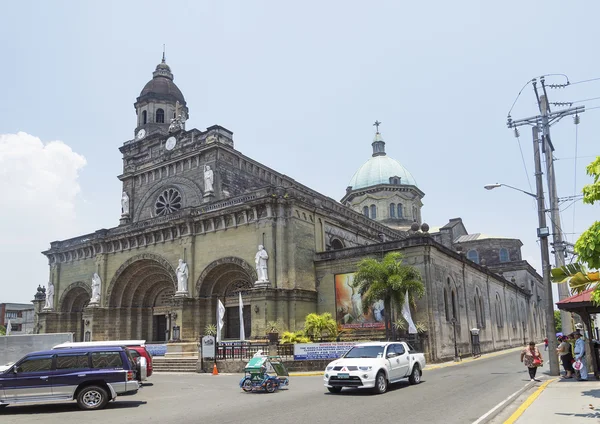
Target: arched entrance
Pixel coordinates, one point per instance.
(224, 279)
(72, 302)
(138, 298)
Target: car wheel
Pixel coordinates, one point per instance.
(270, 387)
(92, 397)
(415, 375)
(247, 385)
(334, 389)
(381, 383)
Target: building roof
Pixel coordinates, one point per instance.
(380, 168)
(585, 296)
(161, 86)
(17, 306)
(477, 236)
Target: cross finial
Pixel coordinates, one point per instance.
(163, 59)
(376, 125)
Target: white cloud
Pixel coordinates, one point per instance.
(38, 186)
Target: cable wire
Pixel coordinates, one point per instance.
(524, 164)
(584, 81)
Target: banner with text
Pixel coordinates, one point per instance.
(321, 350)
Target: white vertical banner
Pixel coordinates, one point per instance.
(8, 328)
(220, 316)
(412, 328)
(242, 332)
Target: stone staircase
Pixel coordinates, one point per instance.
(174, 364)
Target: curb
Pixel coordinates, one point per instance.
(517, 414)
(306, 374)
(493, 413)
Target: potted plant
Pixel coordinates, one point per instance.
(210, 330)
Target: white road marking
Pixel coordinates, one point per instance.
(491, 411)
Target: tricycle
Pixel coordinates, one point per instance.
(265, 373)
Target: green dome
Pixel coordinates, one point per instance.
(379, 170)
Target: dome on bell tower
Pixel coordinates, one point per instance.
(384, 190)
(159, 101)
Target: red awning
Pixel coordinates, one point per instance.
(585, 296)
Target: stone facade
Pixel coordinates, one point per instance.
(172, 213)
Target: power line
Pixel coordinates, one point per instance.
(584, 81)
(523, 159)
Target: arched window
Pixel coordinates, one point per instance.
(336, 244)
(366, 211)
(472, 255)
(373, 211)
(392, 210)
(144, 117)
(414, 211)
(513, 313)
(481, 311)
(400, 214)
(446, 305)
(499, 320)
(477, 314)
(504, 255)
(454, 306)
(160, 116)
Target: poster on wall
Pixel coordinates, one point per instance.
(349, 306)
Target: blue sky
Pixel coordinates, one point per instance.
(300, 85)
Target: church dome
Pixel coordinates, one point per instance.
(161, 86)
(380, 169)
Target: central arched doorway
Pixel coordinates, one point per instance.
(72, 302)
(225, 279)
(138, 297)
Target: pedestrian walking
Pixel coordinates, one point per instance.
(566, 357)
(546, 344)
(580, 356)
(532, 358)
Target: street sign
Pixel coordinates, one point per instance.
(208, 347)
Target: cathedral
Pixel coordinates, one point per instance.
(202, 222)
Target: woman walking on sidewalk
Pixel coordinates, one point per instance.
(532, 358)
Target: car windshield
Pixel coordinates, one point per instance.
(365, 352)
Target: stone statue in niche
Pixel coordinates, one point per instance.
(261, 264)
(96, 289)
(124, 204)
(49, 297)
(208, 179)
(182, 272)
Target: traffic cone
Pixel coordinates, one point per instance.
(215, 370)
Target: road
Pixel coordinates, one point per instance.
(453, 394)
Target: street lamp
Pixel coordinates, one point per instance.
(456, 357)
(543, 234)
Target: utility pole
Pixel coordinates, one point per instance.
(544, 121)
(558, 244)
(543, 235)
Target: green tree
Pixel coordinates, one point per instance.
(2, 330)
(557, 321)
(294, 337)
(315, 326)
(389, 280)
(587, 246)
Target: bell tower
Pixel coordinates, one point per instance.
(159, 103)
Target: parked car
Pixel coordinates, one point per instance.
(375, 366)
(92, 376)
(142, 357)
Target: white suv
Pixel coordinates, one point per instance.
(374, 366)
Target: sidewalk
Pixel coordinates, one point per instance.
(560, 401)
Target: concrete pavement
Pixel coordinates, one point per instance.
(560, 401)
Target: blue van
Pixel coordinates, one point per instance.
(92, 376)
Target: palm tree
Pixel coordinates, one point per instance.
(389, 280)
(315, 325)
(576, 276)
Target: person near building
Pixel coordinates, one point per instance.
(532, 358)
(566, 356)
(580, 356)
(546, 344)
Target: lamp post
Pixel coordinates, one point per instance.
(524, 339)
(543, 232)
(456, 357)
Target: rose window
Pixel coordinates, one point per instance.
(168, 202)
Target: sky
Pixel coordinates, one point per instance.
(300, 85)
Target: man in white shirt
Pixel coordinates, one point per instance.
(580, 356)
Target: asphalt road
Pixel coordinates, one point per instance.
(455, 394)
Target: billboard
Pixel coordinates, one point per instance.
(349, 306)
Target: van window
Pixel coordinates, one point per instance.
(102, 360)
(72, 362)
